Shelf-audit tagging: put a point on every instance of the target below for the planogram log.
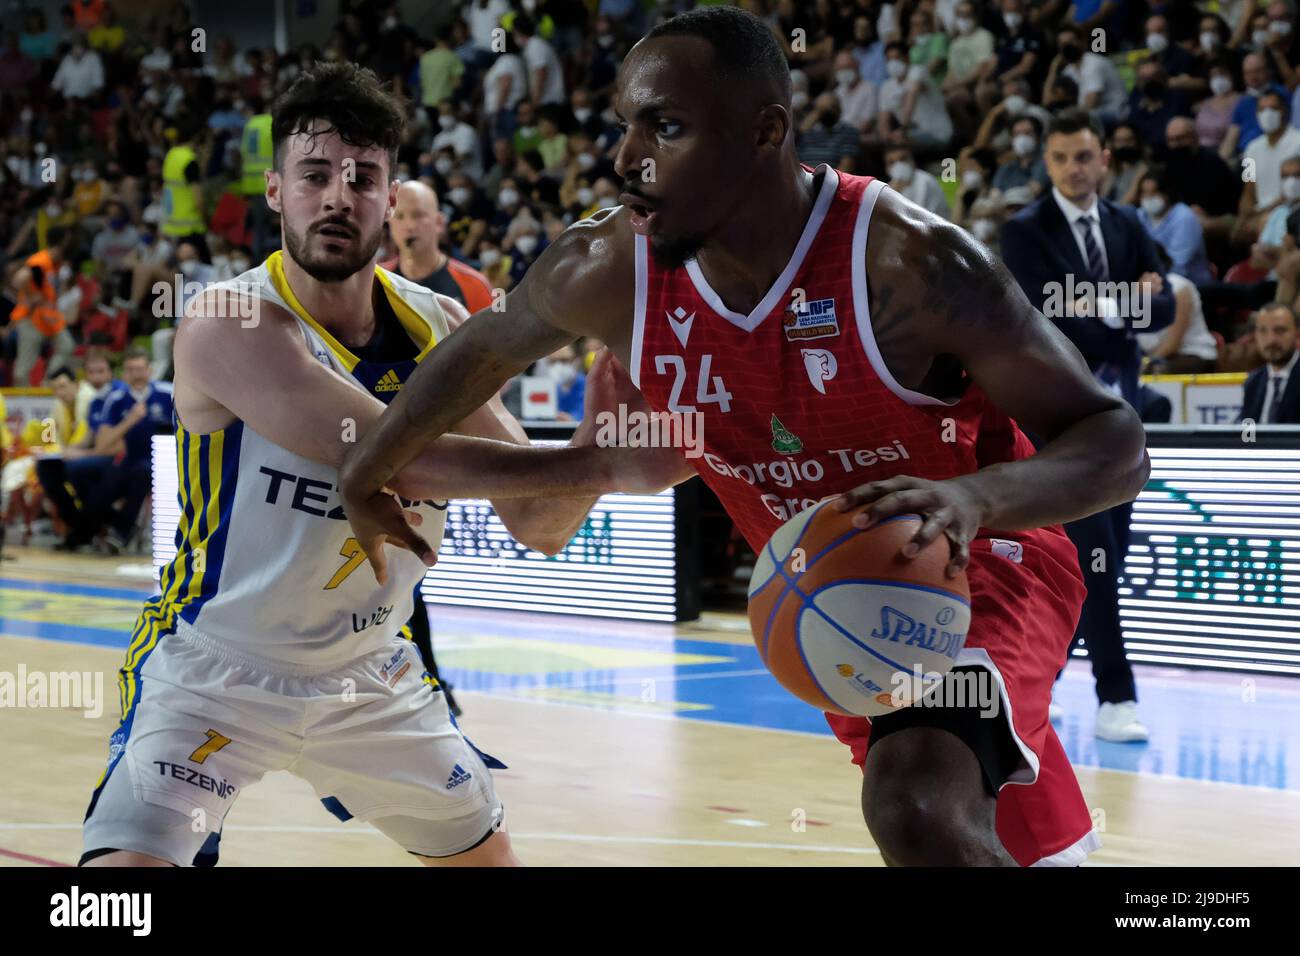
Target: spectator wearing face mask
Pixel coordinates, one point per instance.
(1174, 226)
(1184, 73)
(1280, 46)
(113, 244)
(1267, 250)
(856, 96)
(995, 130)
(454, 133)
(868, 51)
(971, 61)
(1100, 87)
(1214, 113)
(825, 139)
(1152, 104)
(1199, 177)
(1265, 154)
(985, 222)
(191, 275)
(570, 382)
(916, 184)
(524, 243)
(1019, 48)
(505, 86)
(1213, 45)
(976, 167)
(1245, 127)
(553, 145)
(36, 319)
(1186, 347)
(1026, 168)
(1128, 161)
(912, 110)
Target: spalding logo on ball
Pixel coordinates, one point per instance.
(845, 622)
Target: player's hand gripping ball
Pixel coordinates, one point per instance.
(848, 624)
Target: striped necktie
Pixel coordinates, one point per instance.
(1275, 404)
(1096, 264)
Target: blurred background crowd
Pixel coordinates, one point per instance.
(134, 145)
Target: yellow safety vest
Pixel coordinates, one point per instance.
(255, 147)
(181, 215)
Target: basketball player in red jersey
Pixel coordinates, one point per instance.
(837, 340)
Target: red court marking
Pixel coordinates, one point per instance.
(817, 823)
(727, 809)
(40, 860)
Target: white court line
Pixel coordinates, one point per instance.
(364, 829)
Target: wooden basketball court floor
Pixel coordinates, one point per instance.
(634, 744)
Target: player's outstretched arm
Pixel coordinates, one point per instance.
(581, 283)
(262, 373)
(937, 288)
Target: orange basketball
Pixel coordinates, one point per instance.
(845, 622)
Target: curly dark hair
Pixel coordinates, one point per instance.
(348, 98)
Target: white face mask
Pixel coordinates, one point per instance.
(846, 76)
(239, 265)
(586, 196)
(1259, 38)
(508, 198)
(1157, 42)
(798, 99)
(65, 273)
(526, 244)
(1024, 144)
(1291, 188)
(189, 267)
(446, 121)
(390, 23)
(1154, 205)
(443, 165)
(964, 24)
(489, 257)
(984, 229)
(1220, 85)
(53, 210)
(897, 69)
(1280, 27)
(1209, 41)
(901, 171)
(26, 115)
(460, 196)
(1270, 120)
(530, 6)
(1013, 21)
(582, 114)
(972, 179)
(586, 160)
(1015, 104)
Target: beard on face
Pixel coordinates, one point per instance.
(331, 268)
(673, 252)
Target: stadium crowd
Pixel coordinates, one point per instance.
(133, 154)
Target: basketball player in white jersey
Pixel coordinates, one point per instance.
(265, 649)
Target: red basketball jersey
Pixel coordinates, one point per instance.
(795, 404)
(794, 400)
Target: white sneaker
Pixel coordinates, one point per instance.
(1119, 723)
(1055, 712)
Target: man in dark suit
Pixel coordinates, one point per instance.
(1091, 268)
(1272, 395)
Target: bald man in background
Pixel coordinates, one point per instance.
(416, 229)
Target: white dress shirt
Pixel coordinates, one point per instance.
(1278, 379)
(1107, 308)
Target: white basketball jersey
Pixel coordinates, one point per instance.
(266, 561)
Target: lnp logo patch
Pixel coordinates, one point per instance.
(816, 320)
(821, 367)
(397, 665)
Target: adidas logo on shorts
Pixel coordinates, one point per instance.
(458, 776)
